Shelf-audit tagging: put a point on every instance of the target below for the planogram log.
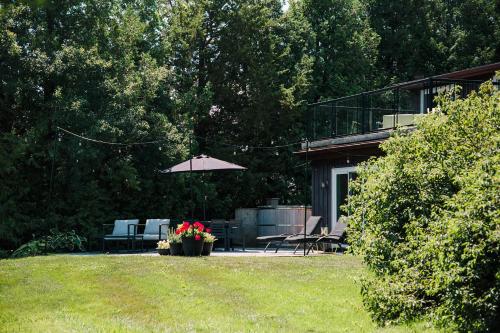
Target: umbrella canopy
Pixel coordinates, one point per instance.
(203, 163)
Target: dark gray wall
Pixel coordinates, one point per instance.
(322, 173)
(321, 202)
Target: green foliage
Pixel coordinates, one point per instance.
(424, 38)
(85, 66)
(426, 218)
(55, 242)
(226, 73)
(343, 46)
(65, 241)
(32, 248)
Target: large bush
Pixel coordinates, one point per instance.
(426, 218)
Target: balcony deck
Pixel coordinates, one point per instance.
(358, 117)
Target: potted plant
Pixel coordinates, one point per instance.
(163, 248)
(175, 244)
(191, 235)
(208, 244)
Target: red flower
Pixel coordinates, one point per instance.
(197, 237)
(208, 230)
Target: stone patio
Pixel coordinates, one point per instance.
(249, 252)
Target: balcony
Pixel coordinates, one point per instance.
(380, 110)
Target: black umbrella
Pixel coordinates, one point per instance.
(203, 163)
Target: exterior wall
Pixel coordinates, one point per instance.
(322, 179)
(321, 191)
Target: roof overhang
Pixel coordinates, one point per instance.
(331, 150)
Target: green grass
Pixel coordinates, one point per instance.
(176, 294)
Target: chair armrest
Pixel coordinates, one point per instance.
(159, 229)
(134, 227)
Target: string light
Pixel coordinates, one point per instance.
(218, 142)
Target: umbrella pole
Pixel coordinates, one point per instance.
(204, 197)
(191, 176)
(305, 195)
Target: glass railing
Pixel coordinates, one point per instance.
(381, 109)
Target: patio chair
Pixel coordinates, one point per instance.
(311, 225)
(220, 231)
(123, 230)
(336, 236)
(155, 230)
(235, 234)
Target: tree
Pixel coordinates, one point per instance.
(424, 38)
(87, 66)
(426, 218)
(235, 69)
(344, 47)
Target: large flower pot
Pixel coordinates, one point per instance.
(176, 249)
(164, 252)
(207, 249)
(192, 247)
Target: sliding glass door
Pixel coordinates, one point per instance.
(341, 177)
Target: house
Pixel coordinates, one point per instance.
(346, 131)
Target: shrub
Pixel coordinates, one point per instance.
(55, 242)
(32, 248)
(65, 241)
(426, 218)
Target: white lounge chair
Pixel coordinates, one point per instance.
(155, 229)
(122, 230)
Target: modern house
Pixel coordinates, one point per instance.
(346, 131)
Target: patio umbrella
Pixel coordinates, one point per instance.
(203, 163)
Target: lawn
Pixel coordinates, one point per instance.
(176, 294)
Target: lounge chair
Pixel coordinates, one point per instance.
(311, 225)
(336, 236)
(122, 230)
(155, 230)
